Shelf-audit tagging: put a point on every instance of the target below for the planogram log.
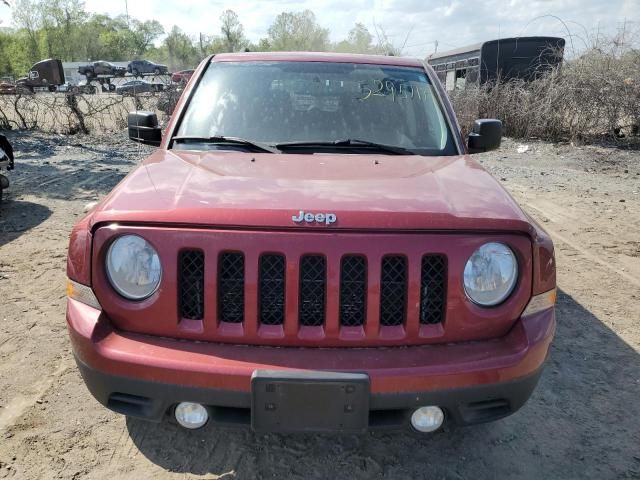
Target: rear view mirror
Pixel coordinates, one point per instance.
(143, 128)
(486, 135)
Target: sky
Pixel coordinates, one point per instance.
(416, 24)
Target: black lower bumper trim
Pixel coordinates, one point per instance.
(154, 401)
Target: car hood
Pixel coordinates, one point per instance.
(235, 189)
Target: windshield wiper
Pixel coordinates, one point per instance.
(348, 142)
(221, 139)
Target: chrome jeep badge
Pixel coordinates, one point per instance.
(308, 217)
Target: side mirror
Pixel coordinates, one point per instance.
(143, 128)
(486, 135)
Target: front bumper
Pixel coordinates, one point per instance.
(145, 376)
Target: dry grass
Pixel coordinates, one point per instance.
(74, 113)
(593, 96)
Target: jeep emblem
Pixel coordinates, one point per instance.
(326, 218)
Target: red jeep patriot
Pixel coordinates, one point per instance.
(311, 248)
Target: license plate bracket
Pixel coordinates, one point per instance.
(290, 402)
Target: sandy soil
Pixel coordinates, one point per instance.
(583, 421)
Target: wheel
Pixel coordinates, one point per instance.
(157, 71)
(135, 72)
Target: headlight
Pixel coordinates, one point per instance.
(490, 274)
(133, 267)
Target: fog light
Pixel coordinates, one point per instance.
(427, 419)
(191, 415)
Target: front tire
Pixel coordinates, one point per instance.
(157, 71)
(135, 73)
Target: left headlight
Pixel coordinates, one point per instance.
(490, 274)
(133, 267)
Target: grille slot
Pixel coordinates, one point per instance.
(191, 281)
(313, 280)
(433, 289)
(231, 287)
(353, 290)
(313, 289)
(393, 290)
(271, 293)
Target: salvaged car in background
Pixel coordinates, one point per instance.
(135, 87)
(101, 68)
(145, 67)
(7, 88)
(6, 162)
(311, 249)
(182, 76)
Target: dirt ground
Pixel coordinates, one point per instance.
(583, 420)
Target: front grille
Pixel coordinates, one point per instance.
(191, 281)
(313, 280)
(315, 307)
(393, 290)
(433, 289)
(271, 289)
(231, 287)
(353, 290)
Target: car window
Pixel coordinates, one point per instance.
(279, 102)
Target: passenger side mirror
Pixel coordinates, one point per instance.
(486, 135)
(143, 128)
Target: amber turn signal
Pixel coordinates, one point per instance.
(82, 294)
(540, 302)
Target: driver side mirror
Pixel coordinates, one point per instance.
(486, 135)
(143, 128)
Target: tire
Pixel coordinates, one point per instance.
(135, 72)
(157, 71)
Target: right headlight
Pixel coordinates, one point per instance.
(490, 274)
(133, 267)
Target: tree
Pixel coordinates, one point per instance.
(232, 31)
(180, 49)
(358, 41)
(60, 22)
(298, 31)
(26, 17)
(144, 34)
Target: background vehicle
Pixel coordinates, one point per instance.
(44, 74)
(7, 88)
(101, 68)
(6, 162)
(507, 58)
(145, 67)
(182, 76)
(133, 87)
(78, 89)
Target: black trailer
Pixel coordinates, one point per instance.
(504, 59)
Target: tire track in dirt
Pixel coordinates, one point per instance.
(555, 234)
(19, 405)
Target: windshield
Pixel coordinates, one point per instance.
(276, 103)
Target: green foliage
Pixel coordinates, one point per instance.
(64, 29)
(298, 31)
(232, 31)
(359, 40)
(180, 50)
